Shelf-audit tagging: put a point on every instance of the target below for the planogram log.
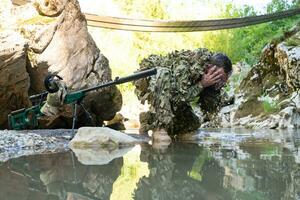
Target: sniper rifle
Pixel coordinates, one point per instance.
(27, 118)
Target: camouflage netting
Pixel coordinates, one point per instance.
(171, 93)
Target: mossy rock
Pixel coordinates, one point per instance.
(293, 42)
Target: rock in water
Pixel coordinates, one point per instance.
(91, 137)
(52, 37)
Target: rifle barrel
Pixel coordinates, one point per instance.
(41, 95)
(117, 81)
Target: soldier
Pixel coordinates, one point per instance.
(183, 77)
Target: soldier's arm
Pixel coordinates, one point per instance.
(187, 88)
(194, 91)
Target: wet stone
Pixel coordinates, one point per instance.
(19, 143)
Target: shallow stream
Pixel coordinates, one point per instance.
(223, 164)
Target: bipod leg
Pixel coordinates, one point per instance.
(74, 117)
(87, 114)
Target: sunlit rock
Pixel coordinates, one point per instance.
(117, 123)
(15, 81)
(226, 116)
(289, 118)
(88, 137)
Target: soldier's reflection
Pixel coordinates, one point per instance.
(182, 171)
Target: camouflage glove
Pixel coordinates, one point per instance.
(55, 101)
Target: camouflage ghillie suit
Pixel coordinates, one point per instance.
(172, 90)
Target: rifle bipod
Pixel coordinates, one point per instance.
(74, 117)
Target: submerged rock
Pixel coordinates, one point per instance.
(52, 37)
(99, 156)
(88, 137)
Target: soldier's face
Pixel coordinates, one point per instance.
(223, 79)
(224, 76)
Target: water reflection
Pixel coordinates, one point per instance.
(56, 176)
(132, 171)
(219, 167)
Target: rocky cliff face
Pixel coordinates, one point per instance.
(51, 37)
(269, 95)
(15, 81)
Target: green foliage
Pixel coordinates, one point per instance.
(245, 44)
(270, 149)
(293, 42)
(153, 10)
(196, 171)
(270, 107)
(126, 49)
(126, 87)
(132, 171)
(241, 44)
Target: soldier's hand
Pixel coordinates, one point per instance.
(211, 77)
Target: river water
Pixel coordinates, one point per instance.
(223, 164)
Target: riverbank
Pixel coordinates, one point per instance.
(15, 144)
(21, 143)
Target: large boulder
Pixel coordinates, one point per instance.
(15, 81)
(56, 38)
